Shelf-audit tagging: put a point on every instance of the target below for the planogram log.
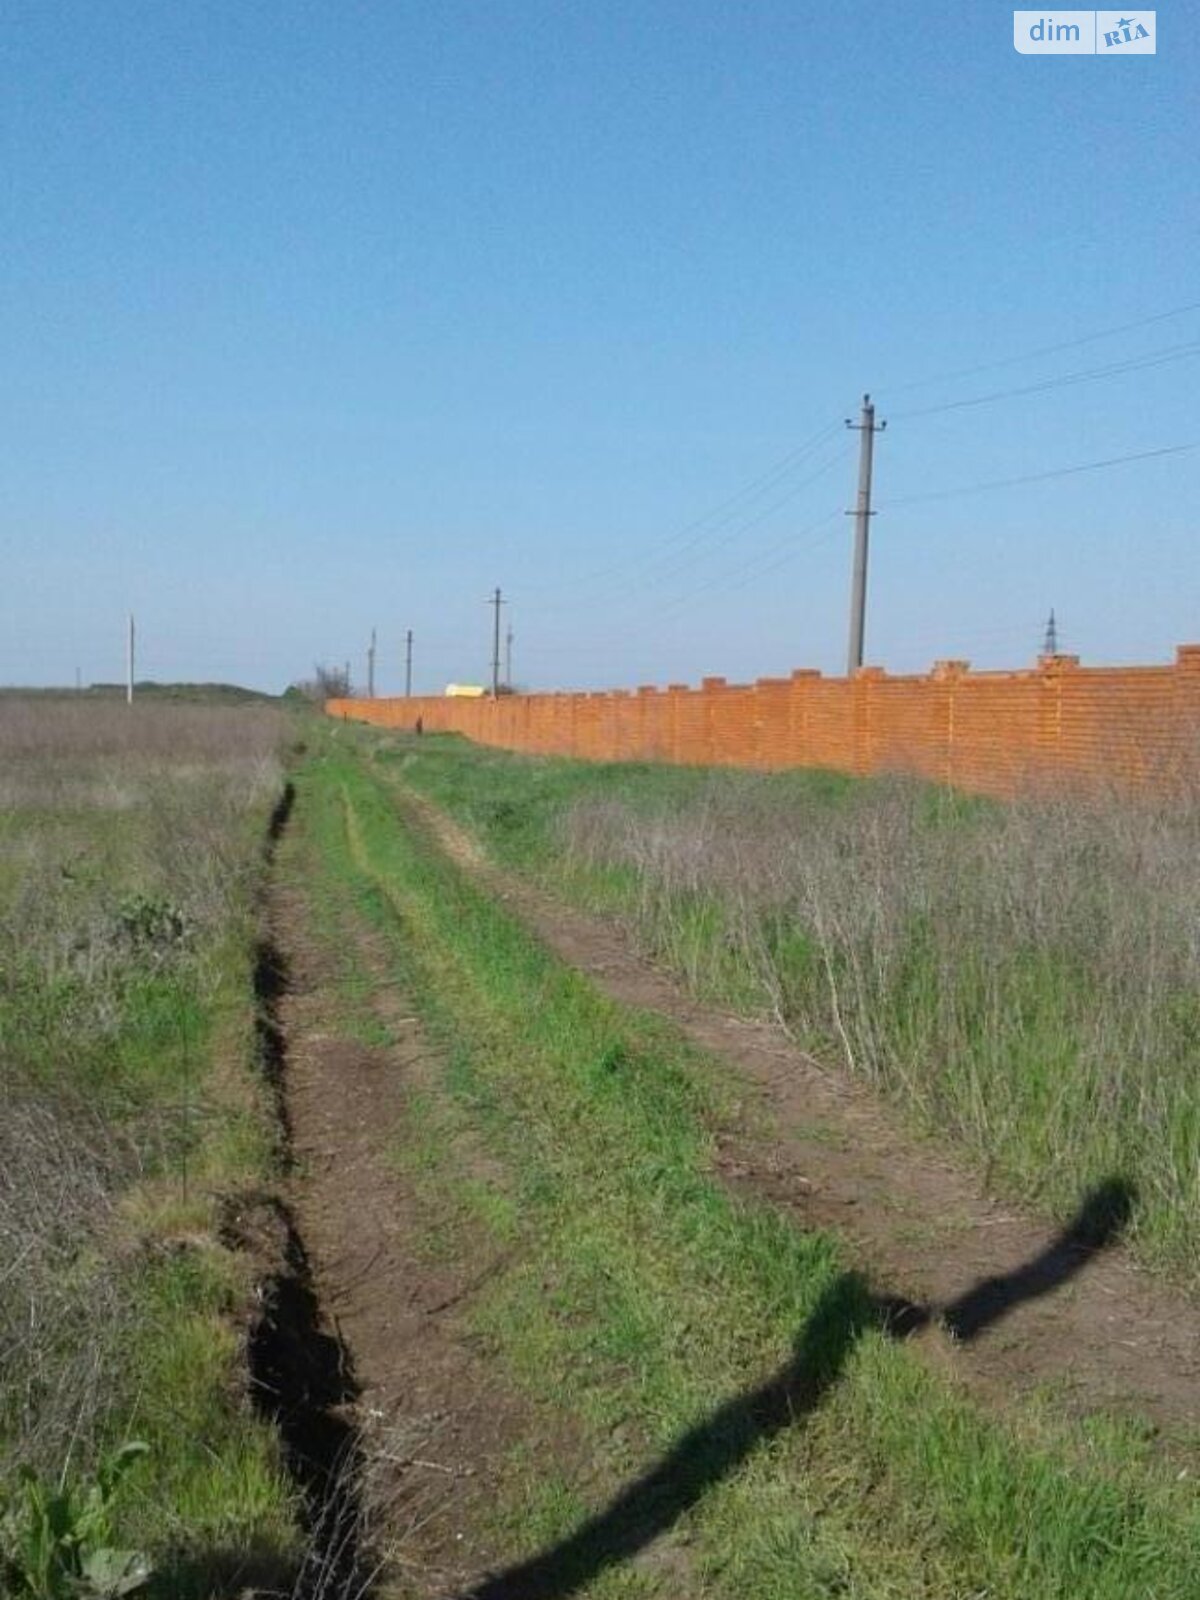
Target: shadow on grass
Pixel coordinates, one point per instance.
(256, 1570)
(718, 1445)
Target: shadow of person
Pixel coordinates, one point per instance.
(715, 1447)
(1099, 1222)
(703, 1456)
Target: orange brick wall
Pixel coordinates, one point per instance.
(986, 731)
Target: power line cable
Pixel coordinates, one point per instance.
(721, 514)
(1039, 477)
(701, 530)
(1043, 350)
(758, 571)
(747, 524)
(739, 577)
(731, 582)
(705, 535)
(1157, 358)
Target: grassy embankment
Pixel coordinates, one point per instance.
(1024, 977)
(789, 1445)
(130, 854)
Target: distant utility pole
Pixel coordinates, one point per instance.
(866, 428)
(508, 639)
(346, 669)
(496, 602)
(408, 664)
(129, 663)
(371, 668)
(1050, 643)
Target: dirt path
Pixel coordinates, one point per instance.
(1059, 1313)
(436, 1422)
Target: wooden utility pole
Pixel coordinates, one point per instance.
(866, 428)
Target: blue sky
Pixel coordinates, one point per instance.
(319, 317)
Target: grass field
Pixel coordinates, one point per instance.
(130, 861)
(1023, 977)
(734, 1381)
(744, 1420)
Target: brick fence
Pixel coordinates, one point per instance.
(987, 731)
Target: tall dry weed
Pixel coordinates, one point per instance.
(63, 1315)
(98, 753)
(1026, 975)
(129, 843)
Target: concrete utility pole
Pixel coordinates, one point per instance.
(129, 664)
(508, 639)
(408, 664)
(371, 668)
(496, 602)
(866, 428)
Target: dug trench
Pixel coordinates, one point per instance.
(299, 1371)
(302, 1381)
(393, 1423)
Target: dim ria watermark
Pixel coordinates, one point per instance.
(1085, 33)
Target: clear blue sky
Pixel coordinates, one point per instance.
(319, 316)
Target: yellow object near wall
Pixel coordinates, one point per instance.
(991, 732)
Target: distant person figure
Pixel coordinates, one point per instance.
(420, 725)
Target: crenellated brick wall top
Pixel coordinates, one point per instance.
(992, 732)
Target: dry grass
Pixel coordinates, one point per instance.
(130, 852)
(44, 730)
(99, 753)
(103, 802)
(1027, 975)
(60, 1169)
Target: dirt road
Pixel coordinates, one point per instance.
(1001, 1304)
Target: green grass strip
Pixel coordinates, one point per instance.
(1019, 978)
(800, 1451)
